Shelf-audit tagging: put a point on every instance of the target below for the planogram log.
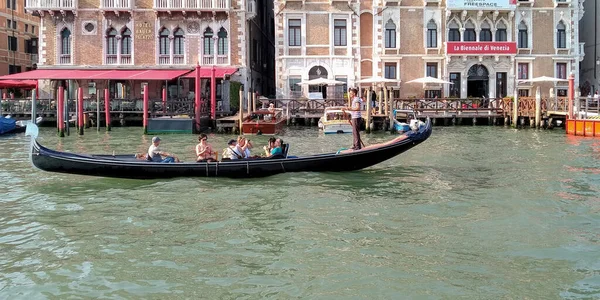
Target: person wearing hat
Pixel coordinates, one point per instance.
(232, 152)
(155, 154)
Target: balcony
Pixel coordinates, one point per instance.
(111, 59)
(176, 59)
(116, 5)
(64, 59)
(51, 6)
(191, 5)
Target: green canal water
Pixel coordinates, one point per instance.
(473, 213)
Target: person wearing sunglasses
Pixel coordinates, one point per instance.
(204, 151)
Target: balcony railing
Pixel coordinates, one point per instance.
(208, 60)
(64, 59)
(111, 59)
(116, 4)
(178, 59)
(222, 59)
(164, 59)
(54, 5)
(208, 5)
(125, 59)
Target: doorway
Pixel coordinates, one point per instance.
(314, 73)
(478, 82)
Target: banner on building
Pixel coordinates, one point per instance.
(481, 48)
(481, 4)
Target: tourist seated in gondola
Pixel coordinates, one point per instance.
(204, 151)
(276, 150)
(244, 146)
(232, 152)
(156, 154)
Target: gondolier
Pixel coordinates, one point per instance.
(356, 117)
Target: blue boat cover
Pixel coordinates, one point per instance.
(7, 125)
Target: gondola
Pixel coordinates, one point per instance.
(127, 166)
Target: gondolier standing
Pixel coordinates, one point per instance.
(356, 117)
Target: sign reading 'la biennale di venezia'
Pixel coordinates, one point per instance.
(481, 4)
(481, 48)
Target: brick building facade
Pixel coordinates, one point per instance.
(404, 40)
(18, 38)
(137, 34)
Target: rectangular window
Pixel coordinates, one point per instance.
(14, 23)
(430, 94)
(523, 70)
(561, 39)
(390, 36)
(470, 35)
(12, 43)
(501, 85)
(431, 38)
(12, 69)
(295, 89)
(455, 88)
(501, 35)
(523, 92)
(432, 70)
(26, 27)
(561, 92)
(8, 23)
(561, 70)
(523, 43)
(339, 33)
(341, 89)
(390, 70)
(12, 4)
(454, 35)
(33, 29)
(294, 32)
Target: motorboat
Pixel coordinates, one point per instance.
(402, 120)
(264, 121)
(335, 120)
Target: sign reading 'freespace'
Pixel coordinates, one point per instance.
(481, 4)
(481, 48)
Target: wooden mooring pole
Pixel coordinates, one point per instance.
(60, 109)
(241, 113)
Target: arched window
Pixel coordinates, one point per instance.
(561, 35)
(431, 34)
(179, 42)
(470, 35)
(111, 41)
(501, 35)
(163, 41)
(208, 42)
(523, 40)
(390, 34)
(222, 44)
(485, 35)
(65, 42)
(126, 41)
(453, 32)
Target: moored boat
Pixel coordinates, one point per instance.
(402, 119)
(264, 121)
(334, 120)
(128, 166)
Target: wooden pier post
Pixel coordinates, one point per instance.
(107, 108)
(249, 102)
(60, 109)
(33, 105)
(241, 117)
(538, 107)
(368, 118)
(80, 123)
(380, 102)
(515, 116)
(145, 110)
(213, 96)
(571, 94)
(197, 99)
(253, 101)
(388, 109)
(164, 99)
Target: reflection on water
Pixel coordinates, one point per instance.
(475, 212)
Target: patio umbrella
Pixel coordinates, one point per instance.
(377, 79)
(321, 81)
(543, 79)
(429, 79)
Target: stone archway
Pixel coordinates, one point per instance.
(478, 81)
(314, 73)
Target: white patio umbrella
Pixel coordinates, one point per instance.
(429, 79)
(377, 79)
(321, 81)
(542, 79)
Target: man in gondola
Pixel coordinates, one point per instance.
(356, 117)
(155, 154)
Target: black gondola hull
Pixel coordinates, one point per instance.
(128, 167)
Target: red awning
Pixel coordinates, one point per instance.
(18, 84)
(220, 72)
(64, 74)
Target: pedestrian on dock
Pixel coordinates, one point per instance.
(356, 117)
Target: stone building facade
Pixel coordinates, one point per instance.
(137, 34)
(590, 35)
(18, 38)
(488, 50)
